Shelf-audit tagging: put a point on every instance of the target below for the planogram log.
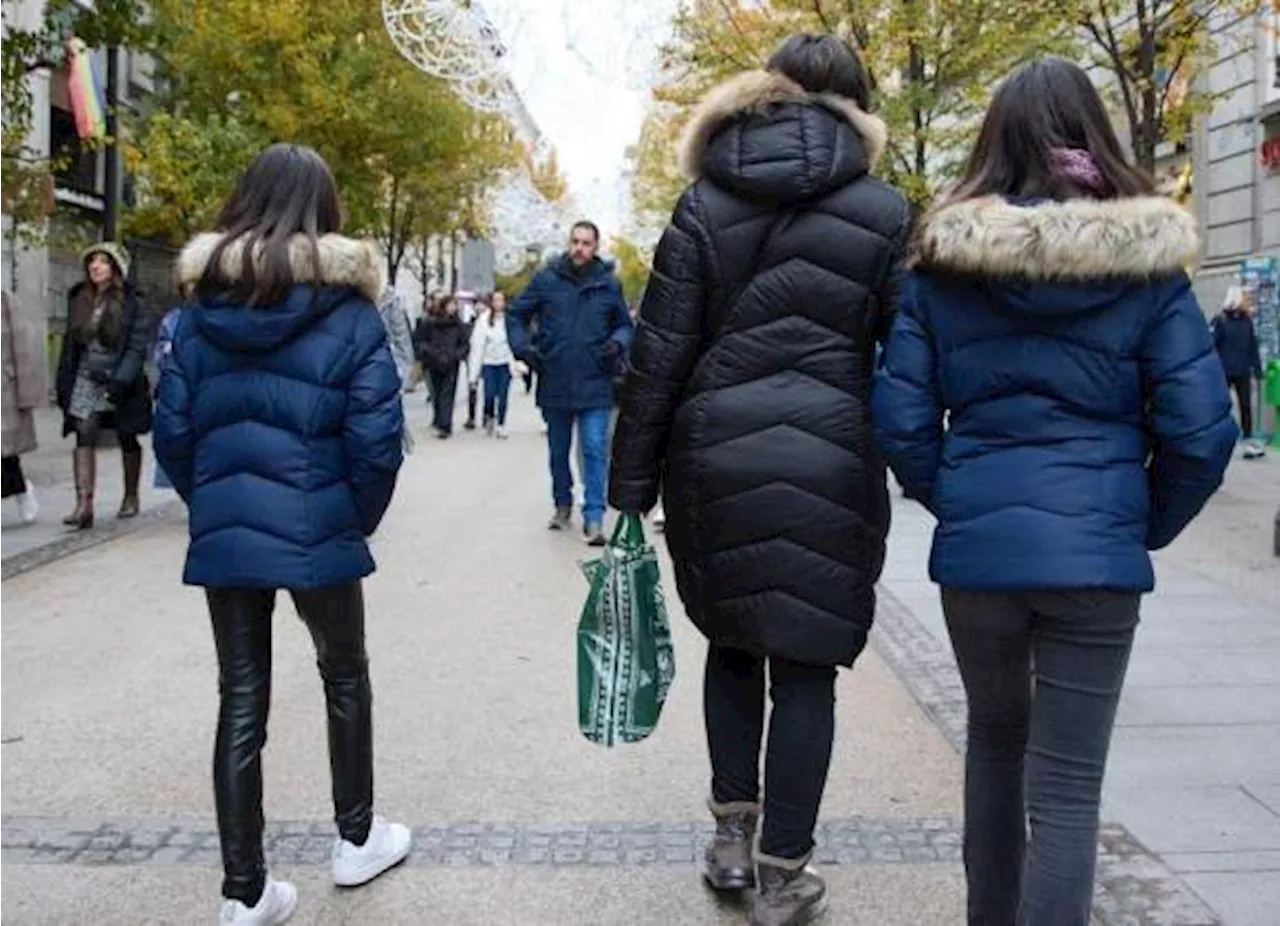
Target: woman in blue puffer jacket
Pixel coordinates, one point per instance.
(280, 423)
(1050, 392)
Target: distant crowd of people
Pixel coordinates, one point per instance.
(1028, 357)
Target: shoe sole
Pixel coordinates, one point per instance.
(366, 875)
(726, 885)
(815, 913)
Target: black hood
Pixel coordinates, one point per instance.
(764, 138)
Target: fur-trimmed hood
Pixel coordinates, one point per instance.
(1080, 239)
(755, 93)
(343, 262)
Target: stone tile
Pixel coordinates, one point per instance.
(1201, 666)
(1172, 757)
(1209, 819)
(1224, 862)
(1266, 794)
(1241, 898)
(1199, 705)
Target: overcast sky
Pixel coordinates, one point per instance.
(586, 108)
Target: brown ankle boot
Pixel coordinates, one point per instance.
(727, 864)
(132, 464)
(85, 461)
(790, 892)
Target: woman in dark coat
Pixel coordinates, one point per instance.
(280, 425)
(101, 383)
(1051, 394)
(748, 400)
(442, 341)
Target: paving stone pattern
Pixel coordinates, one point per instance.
(1133, 887)
(61, 841)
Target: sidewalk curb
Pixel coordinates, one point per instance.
(75, 541)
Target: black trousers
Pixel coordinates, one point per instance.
(242, 632)
(14, 482)
(1043, 673)
(798, 755)
(1243, 388)
(444, 393)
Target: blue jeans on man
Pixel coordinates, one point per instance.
(593, 439)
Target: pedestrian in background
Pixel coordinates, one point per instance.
(1236, 342)
(160, 350)
(1051, 394)
(101, 384)
(24, 392)
(491, 361)
(279, 423)
(442, 342)
(583, 329)
(400, 339)
(747, 404)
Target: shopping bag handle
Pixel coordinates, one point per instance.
(629, 533)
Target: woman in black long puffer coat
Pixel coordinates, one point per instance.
(748, 400)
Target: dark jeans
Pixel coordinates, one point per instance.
(444, 394)
(242, 632)
(1243, 387)
(497, 385)
(15, 483)
(801, 729)
(1043, 672)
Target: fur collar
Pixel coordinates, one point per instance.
(343, 262)
(754, 91)
(1078, 239)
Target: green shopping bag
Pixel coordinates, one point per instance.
(625, 660)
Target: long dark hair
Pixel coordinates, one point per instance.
(109, 329)
(1042, 106)
(439, 307)
(493, 314)
(288, 190)
(823, 64)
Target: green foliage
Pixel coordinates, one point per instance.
(408, 155)
(632, 267)
(1153, 50)
(931, 65)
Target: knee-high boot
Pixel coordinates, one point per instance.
(132, 465)
(84, 464)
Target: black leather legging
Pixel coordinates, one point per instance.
(242, 632)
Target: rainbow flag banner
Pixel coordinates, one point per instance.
(87, 102)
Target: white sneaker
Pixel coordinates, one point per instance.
(387, 846)
(501, 432)
(278, 901)
(28, 505)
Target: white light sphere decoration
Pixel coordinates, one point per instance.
(522, 220)
(627, 52)
(457, 41)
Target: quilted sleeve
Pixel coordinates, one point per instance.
(372, 430)
(1188, 413)
(664, 349)
(174, 439)
(906, 402)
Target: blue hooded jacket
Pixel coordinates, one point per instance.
(1050, 391)
(281, 426)
(583, 332)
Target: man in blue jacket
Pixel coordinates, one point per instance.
(583, 331)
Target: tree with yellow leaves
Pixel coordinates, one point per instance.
(407, 153)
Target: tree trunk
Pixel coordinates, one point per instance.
(1146, 135)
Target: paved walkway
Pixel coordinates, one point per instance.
(109, 688)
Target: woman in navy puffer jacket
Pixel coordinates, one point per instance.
(280, 424)
(1051, 393)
